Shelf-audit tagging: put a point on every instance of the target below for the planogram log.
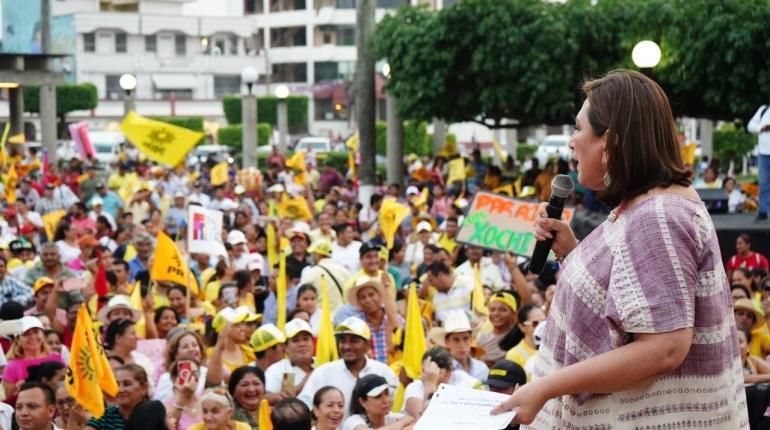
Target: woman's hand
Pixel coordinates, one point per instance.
(187, 391)
(526, 401)
(564, 240)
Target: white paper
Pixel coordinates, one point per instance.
(204, 231)
(463, 408)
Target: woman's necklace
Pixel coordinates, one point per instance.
(615, 213)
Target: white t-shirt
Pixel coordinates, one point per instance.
(369, 216)
(354, 421)
(347, 256)
(165, 389)
(67, 252)
(274, 375)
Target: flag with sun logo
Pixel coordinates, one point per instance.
(159, 141)
(89, 371)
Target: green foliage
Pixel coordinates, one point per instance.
(416, 138)
(68, 98)
(267, 110)
(232, 135)
(194, 123)
(732, 143)
(523, 151)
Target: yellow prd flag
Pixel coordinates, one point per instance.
(10, 185)
(219, 174)
(51, 221)
(477, 296)
(326, 346)
(392, 214)
(352, 142)
(272, 252)
(414, 336)
(169, 266)
(159, 141)
(17, 139)
(263, 419)
(422, 199)
(280, 293)
(456, 169)
(89, 371)
(294, 208)
(297, 162)
(3, 152)
(135, 301)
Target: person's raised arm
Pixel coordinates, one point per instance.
(754, 125)
(214, 374)
(519, 281)
(51, 306)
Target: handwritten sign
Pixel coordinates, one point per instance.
(502, 224)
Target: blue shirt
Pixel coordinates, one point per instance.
(270, 314)
(135, 266)
(110, 202)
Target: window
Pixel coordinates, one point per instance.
(391, 4)
(253, 6)
(286, 5)
(287, 37)
(178, 94)
(151, 43)
(89, 42)
(346, 70)
(346, 35)
(120, 43)
(112, 87)
(234, 45)
(290, 72)
(180, 45)
(346, 4)
(226, 86)
(327, 110)
(325, 71)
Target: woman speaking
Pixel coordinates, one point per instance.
(640, 333)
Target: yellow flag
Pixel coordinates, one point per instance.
(130, 253)
(392, 214)
(294, 208)
(168, 264)
(456, 169)
(3, 152)
(135, 301)
(477, 296)
(297, 162)
(326, 347)
(159, 141)
(398, 398)
(272, 252)
(219, 174)
(17, 139)
(280, 293)
(352, 142)
(352, 164)
(10, 185)
(89, 371)
(263, 421)
(51, 221)
(499, 150)
(688, 153)
(414, 336)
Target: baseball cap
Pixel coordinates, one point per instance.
(28, 323)
(321, 246)
(354, 325)
(256, 262)
(424, 226)
(235, 237)
(297, 326)
(88, 240)
(505, 374)
(225, 316)
(410, 190)
(19, 245)
(40, 283)
(265, 337)
(299, 228)
(245, 313)
(96, 201)
(372, 385)
(366, 247)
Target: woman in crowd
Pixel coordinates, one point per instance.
(231, 349)
(27, 350)
(502, 317)
(67, 409)
(520, 341)
(634, 297)
(217, 408)
(120, 340)
(184, 407)
(50, 373)
(370, 407)
(54, 341)
(166, 319)
(178, 302)
(328, 408)
(247, 388)
(133, 389)
(744, 257)
(755, 370)
(307, 300)
(66, 239)
(182, 343)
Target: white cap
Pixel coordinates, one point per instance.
(255, 262)
(178, 194)
(456, 322)
(412, 190)
(297, 326)
(424, 226)
(96, 201)
(235, 237)
(300, 227)
(239, 189)
(28, 323)
(228, 205)
(276, 188)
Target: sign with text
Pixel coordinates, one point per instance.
(503, 224)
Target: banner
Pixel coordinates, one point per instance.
(502, 224)
(294, 208)
(168, 264)
(204, 232)
(159, 141)
(79, 133)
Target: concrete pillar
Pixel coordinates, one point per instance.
(16, 110)
(365, 97)
(48, 120)
(707, 137)
(283, 126)
(249, 123)
(439, 135)
(395, 146)
(512, 141)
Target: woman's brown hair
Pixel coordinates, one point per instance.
(139, 374)
(172, 348)
(642, 150)
(16, 351)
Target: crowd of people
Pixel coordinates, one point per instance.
(208, 360)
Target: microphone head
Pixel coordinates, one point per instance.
(562, 186)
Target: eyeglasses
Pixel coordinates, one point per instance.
(534, 324)
(65, 402)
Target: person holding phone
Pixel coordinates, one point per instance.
(184, 407)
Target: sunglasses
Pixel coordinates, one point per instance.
(534, 324)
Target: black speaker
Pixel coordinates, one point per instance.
(714, 199)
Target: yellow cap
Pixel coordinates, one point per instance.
(228, 315)
(265, 337)
(354, 325)
(40, 283)
(505, 298)
(321, 246)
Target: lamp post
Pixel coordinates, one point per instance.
(646, 55)
(127, 83)
(395, 136)
(249, 76)
(282, 92)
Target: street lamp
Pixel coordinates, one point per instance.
(127, 83)
(646, 55)
(282, 91)
(249, 76)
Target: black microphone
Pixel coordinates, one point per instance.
(561, 188)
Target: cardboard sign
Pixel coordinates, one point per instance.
(502, 224)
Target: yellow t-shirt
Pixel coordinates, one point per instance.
(760, 342)
(246, 352)
(238, 426)
(520, 354)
